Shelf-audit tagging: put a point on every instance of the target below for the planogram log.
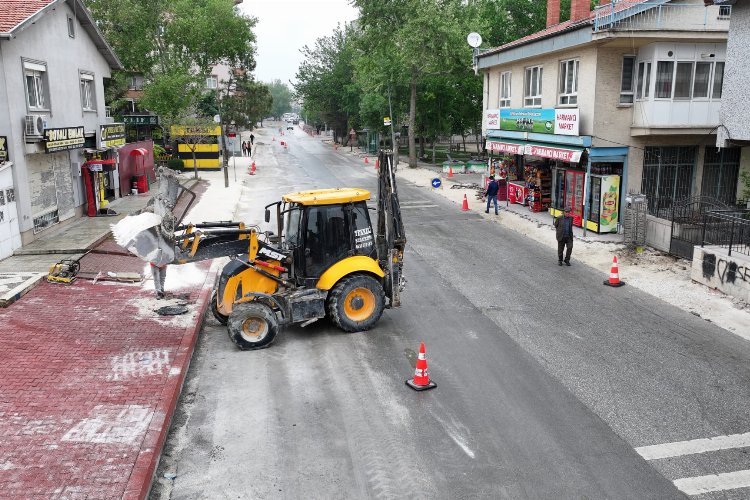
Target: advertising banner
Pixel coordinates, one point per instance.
(492, 119)
(112, 135)
(505, 147)
(62, 139)
(140, 120)
(541, 121)
(610, 209)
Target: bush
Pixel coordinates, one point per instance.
(175, 164)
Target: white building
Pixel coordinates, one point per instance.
(631, 90)
(53, 61)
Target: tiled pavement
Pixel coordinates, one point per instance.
(90, 378)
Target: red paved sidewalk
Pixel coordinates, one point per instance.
(89, 379)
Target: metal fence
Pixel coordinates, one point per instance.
(658, 15)
(727, 229)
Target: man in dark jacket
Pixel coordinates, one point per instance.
(492, 189)
(564, 232)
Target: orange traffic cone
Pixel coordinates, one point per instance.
(367, 160)
(421, 380)
(614, 275)
(252, 168)
(450, 171)
(465, 206)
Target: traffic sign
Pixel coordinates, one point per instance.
(231, 134)
(436, 183)
(387, 121)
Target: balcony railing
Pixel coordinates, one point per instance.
(657, 16)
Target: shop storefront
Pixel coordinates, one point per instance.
(99, 171)
(549, 167)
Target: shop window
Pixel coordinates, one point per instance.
(504, 100)
(88, 97)
(36, 85)
(643, 85)
(626, 80)
(683, 81)
(667, 177)
(568, 82)
(725, 11)
(212, 82)
(71, 27)
(718, 80)
(702, 79)
(721, 168)
(664, 79)
(533, 86)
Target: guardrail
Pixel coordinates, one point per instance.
(658, 15)
(727, 229)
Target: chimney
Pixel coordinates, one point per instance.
(553, 12)
(579, 9)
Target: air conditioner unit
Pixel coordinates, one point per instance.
(34, 125)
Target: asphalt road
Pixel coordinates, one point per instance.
(550, 385)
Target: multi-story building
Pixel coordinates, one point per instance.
(59, 156)
(622, 99)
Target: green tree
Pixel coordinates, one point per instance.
(282, 98)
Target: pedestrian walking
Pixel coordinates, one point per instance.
(564, 233)
(160, 275)
(252, 140)
(244, 148)
(491, 193)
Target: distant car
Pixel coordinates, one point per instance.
(289, 126)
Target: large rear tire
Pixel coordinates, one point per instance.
(252, 325)
(221, 318)
(356, 303)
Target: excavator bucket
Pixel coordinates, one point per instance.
(149, 233)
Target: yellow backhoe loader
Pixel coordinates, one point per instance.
(325, 259)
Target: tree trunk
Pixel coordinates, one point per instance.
(195, 163)
(413, 119)
(421, 146)
(433, 150)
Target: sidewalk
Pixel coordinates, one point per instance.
(91, 373)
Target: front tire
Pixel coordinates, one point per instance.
(221, 318)
(356, 303)
(252, 325)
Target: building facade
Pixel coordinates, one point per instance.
(59, 141)
(624, 99)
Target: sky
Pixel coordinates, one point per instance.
(285, 26)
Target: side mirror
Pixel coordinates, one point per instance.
(268, 215)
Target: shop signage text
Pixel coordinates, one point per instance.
(3, 148)
(62, 139)
(195, 130)
(505, 147)
(562, 121)
(112, 135)
(140, 120)
(560, 154)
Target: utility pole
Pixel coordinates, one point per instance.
(222, 131)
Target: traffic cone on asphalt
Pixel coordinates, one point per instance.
(465, 206)
(252, 168)
(450, 172)
(614, 275)
(421, 380)
(367, 160)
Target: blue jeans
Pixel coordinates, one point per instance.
(491, 197)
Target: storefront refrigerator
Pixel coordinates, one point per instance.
(574, 180)
(604, 203)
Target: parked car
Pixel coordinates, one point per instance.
(289, 126)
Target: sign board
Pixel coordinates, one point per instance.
(140, 120)
(231, 134)
(182, 130)
(436, 183)
(112, 135)
(387, 121)
(63, 139)
(3, 148)
(562, 121)
(560, 153)
(492, 119)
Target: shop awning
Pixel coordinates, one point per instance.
(570, 154)
(506, 146)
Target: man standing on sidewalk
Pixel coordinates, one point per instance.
(564, 233)
(491, 193)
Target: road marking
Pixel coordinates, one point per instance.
(679, 448)
(417, 206)
(413, 202)
(714, 482)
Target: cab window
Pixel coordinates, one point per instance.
(293, 219)
(327, 238)
(364, 239)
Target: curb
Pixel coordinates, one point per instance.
(142, 477)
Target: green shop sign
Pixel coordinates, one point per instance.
(140, 120)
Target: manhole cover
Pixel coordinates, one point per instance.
(171, 310)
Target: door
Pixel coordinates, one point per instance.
(10, 236)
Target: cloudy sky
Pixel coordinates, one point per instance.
(285, 26)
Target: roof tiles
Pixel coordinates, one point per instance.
(15, 12)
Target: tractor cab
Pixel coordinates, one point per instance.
(321, 228)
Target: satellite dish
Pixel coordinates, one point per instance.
(474, 39)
